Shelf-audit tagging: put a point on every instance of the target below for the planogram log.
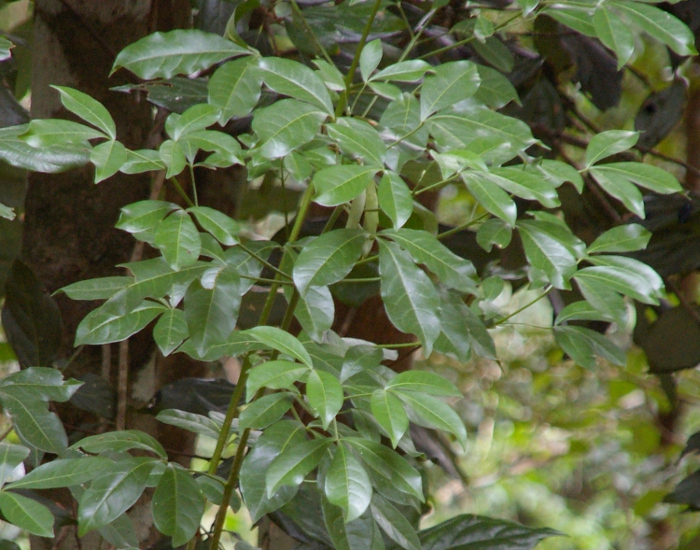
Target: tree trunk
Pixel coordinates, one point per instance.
(69, 232)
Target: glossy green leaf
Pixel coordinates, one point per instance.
(581, 311)
(558, 172)
(394, 524)
(404, 130)
(113, 493)
(294, 464)
(452, 270)
(452, 82)
(144, 215)
(11, 456)
(96, 289)
(264, 411)
(275, 375)
(494, 231)
(643, 275)
(197, 117)
(389, 412)
(170, 331)
(652, 177)
(435, 413)
(625, 238)
(211, 308)
(178, 240)
(196, 423)
(331, 76)
(409, 296)
(42, 383)
(166, 54)
(360, 534)
(222, 227)
(281, 341)
(47, 132)
(491, 197)
(614, 34)
(494, 90)
(624, 281)
(121, 441)
(659, 24)
(104, 327)
(63, 473)
(495, 52)
(27, 514)
(348, 485)
(293, 79)
(395, 199)
(177, 505)
(315, 311)
(328, 258)
(89, 109)
(455, 338)
(143, 160)
(340, 184)
(426, 382)
(544, 251)
(108, 158)
(370, 58)
(579, 18)
(235, 88)
(621, 188)
(609, 143)
(274, 441)
(325, 395)
(524, 184)
(358, 139)
(603, 298)
(404, 71)
(34, 423)
(20, 154)
(286, 125)
(583, 344)
(173, 156)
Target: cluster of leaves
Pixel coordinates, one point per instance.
(366, 146)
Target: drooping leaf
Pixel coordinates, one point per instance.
(89, 109)
(340, 184)
(264, 411)
(325, 395)
(197, 423)
(652, 177)
(295, 80)
(20, 154)
(63, 473)
(370, 58)
(395, 524)
(491, 197)
(434, 413)
(27, 514)
(34, 423)
(625, 238)
(235, 88)
(286, 125)
(614, 33)
(389, 412)
(293, 465)
(609, 143)
(395, 199)
(452, 82)
(275, 375)
(108, 158)
(166, 54)
(348, 485)
(177, 504)
(583, 344)
(101, 326)
(409, 296)
(170, 330)
(546, 252)
(620, 188)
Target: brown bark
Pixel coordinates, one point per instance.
(69, 232)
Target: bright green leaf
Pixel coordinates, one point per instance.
(121, 441)
(275, 375)
(178, 240)
(434, 413)
(177, 505)
(281, 341)
(293, 79)
(170, 331)
(294, 463)
(89, 109)
(348, 485)
(452, 82)
(286, 125)
(370, 58)
(625, 238)
(340, 184)
(389, 412)
(108, 158)
(235, 88)
(609, 143)
(266, 410)
(325, 395)
(27, 514)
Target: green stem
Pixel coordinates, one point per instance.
(462, 226)
(310, 31)
(343, 101)
(523, 308)
(181, 191)
(267, 264)
(194, 185)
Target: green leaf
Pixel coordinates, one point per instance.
(34, 423)
(603, 298)
(222, 227)
(659, 24)
(235, 88)
(27, 514)
(281, 341)
(370, 58)
(7, 212)
(170, 330)
(395, 198)
(144, 215)
(89, 109)
(211, 308)
(620, 188)
(275, 375)
(331, 76)
(578, 18)
(348, 485)
(102, 326)
(177, 505)
(619, 279)
(18, 153)
(315, 311)
(293, 79)
(494, 231)
(558, 172)
(225, 148)
(426, 382)
(340, 184)
(470, 532)
(264, 411)
(108, 158)
(361, 534)
(581, 311)
(434, 413)
(173, 156)
(113, 493)
(404, 71)
(452, 270)
(644, 275)
(394, 524)
(614, 34)
(328, 258)
(286, 125)
(609, 143)
(63, 473)
(166, 54)
(389, 412)
(47, 132)
(652, 177)
(11, 456)
(274, 441)
(409, 296)
(452, 82)
(524, 184)
(495, 53)
(491, 197)
(197, 117)
(325, 395)
(358, 139)
(197, 423)
(455, 338)
(583, 344)
(548, 253)
(121, 441)
(625, 238)
(5, 54)
(143, 160)
(96, 289)
(494, 90)
(294, 463)
(178, 240)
